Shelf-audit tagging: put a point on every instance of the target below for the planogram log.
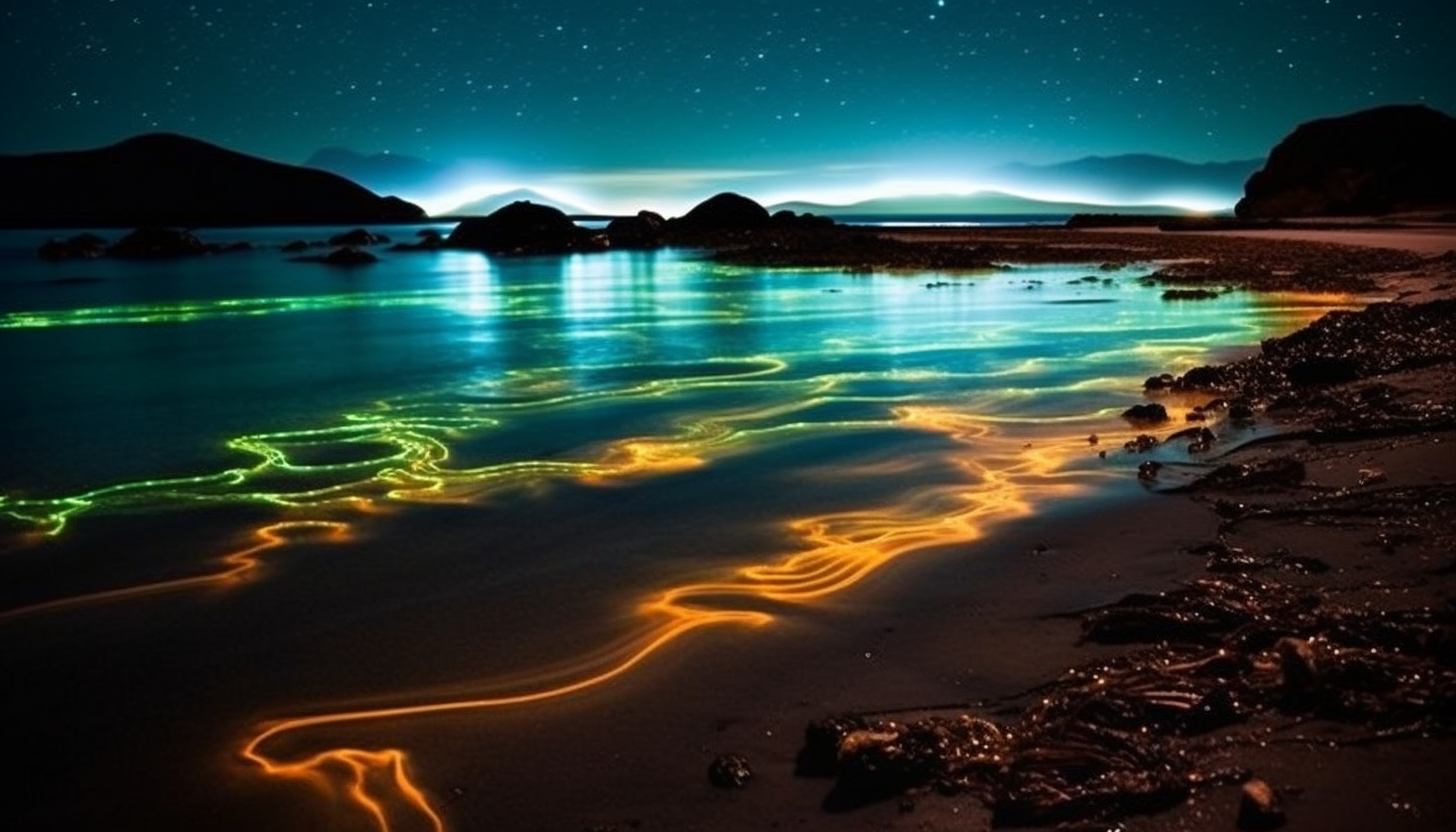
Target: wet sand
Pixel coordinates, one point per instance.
(993, 626)
(945, 634)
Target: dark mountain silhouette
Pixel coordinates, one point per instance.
(166, 179)
(490, 204)
(1135, 178)
(385, 173)
(1380, 161)
(947, 205)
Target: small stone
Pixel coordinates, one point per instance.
(1371, 476)
(1297, 662)
(1146, 414)
(1259, 807)
(730, 771)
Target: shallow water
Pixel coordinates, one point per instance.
(545, 469)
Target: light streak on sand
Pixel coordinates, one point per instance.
(235, 567)
(1005, 479)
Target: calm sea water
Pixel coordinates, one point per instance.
(285, 466)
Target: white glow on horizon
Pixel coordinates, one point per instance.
(673, 191)
(446, 202)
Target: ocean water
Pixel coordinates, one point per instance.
(550, 469)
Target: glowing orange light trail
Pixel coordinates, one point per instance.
(236, 566)
(842, 550)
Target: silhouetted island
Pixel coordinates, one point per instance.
(1385, 160)
(523, 228)
(163, 179)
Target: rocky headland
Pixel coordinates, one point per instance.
(1375, 162)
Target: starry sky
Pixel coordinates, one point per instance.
(592, 95)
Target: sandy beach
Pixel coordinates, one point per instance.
(1349, 469)
(940, 636)
(1371, 502)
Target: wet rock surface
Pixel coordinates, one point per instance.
(1339, 348)
(1141, 731)
(730, 771)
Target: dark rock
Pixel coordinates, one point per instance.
(1142, 443)
(295, 246)
(1378, 161)
(1200, 378)
(1280, 472)
(1240, 411)
(644, 231)
(344, 256)
(348, 256)
(521, 228)
(151, 243)
(163, 179)
(1323, 371)
(427, 239)
(357, 237)
(86, 246)
(729, 771)
(788, 219)
(1297, 664)
(1201, 438)
(1259, 807)
(1146, 414)
(723, 212)
(1161, 382)
(1189, 294)
(1148, 471)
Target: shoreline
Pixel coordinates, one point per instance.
(937, 629)
(942, 634)
(1350, 453)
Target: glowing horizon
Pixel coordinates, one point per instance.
(616, 194)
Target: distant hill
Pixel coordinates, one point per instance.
(1135, 178)
(390, 173)
(166, 179)
(981, 202)
(490, 204)
(1385, 160)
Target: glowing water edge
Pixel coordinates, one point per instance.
(269, 527)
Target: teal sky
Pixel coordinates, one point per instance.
(848, 93)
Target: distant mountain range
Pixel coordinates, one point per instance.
(490, 204)
(167, 179)
(1134, 179)
(981, 202)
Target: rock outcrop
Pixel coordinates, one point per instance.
(643, 231)
(724, 212)
(522, 228)
(1374, 162)
(163, 179)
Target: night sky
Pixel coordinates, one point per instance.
(603, 93)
